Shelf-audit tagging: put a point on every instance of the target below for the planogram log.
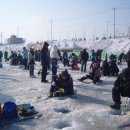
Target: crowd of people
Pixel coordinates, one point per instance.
(62, 83)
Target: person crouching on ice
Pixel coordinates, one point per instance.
(121, 88)
(62, 85)
(95, 73)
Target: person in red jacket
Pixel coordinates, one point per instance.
(95, 73)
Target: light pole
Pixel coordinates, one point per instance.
(51, 30)
(114, 22)
(107, 28)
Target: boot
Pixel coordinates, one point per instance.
(115, 106)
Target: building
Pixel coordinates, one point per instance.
(15, 40)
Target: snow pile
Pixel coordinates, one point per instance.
(12, 47)
(108, 45)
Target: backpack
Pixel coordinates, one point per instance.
(9, 111)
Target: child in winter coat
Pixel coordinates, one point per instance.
(62, 85)
(95, 73)
(31, 62)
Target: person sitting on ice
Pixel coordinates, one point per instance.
(62, 85)
(121, 88)
(95, 73)
(105, 68)
(74, 62)
(13, 58)
(113, 68)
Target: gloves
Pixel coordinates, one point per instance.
(61, 90)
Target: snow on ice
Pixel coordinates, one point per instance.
(86, 112)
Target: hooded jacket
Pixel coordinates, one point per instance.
(54, 53)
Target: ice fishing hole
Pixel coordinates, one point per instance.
(62, 125)
(62, 110)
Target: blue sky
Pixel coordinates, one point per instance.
(71, 18)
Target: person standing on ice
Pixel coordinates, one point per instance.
(44, 61)
(93, 55)
(65, 59)
(31, 62)
(25, 57)
(84, 59)
(54, 59)
(74, 62)
(1, 55)
(121, 88)
(128, 57)
(6, 55)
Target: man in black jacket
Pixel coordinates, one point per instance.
(84, 59)
(105, 68)
(128, 58)
(121, 88)
(44, 61)
(62, 85)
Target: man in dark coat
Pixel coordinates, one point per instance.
(1, 55)
(105, 68)
(6, 55)
(44, 61)
(121, 88)
(84, 59)
(114, 70)
(62, 85)
(128, 58)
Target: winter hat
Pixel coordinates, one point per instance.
(126, 73)
(45, 44)
(65, 73)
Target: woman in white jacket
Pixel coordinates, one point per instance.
(54, 58)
